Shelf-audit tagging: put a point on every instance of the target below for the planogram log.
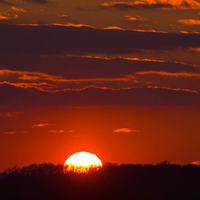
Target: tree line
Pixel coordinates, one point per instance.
(47, 181)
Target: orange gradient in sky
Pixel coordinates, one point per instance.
(82, 162)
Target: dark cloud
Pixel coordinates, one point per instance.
(90, 67)
(6, 2)
(10, 95)
(128, 6)
(55, 40)
(158, 4)
(37, 1)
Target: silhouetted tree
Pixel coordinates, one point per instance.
(163, 181)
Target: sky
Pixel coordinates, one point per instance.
(120, 79)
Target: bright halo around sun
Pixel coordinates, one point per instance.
(82, 162)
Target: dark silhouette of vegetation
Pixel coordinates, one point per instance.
(163, 181)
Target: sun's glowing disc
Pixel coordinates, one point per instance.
(82, 162)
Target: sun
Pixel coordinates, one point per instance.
(82, 162)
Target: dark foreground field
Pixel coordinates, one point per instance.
(137, 182)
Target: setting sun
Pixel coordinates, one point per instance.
(82, 162)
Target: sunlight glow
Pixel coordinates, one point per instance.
(82, 162)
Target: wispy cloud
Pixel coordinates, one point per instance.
(47, 82)
(197, 50)
(113, 27)
(97, 96)
(37, 1)
(176, 74)
(63, 16)
(154, 4)
(52, 131)
(39, 125)
(11, 114)
(15, 132)
(56, 131)
(135, 19)
(95, 42)
(30, 78)
(125, 130)
(174, 89)
(4, 17)
(7, 16)
(116, 73)
(17, 9)
(189, 21)
(5, 2)
(38, 86)
(9, 133)
(66, 71)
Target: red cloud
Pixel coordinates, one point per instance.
(40, 125)
(125, 130)
(11, 114)
(189, 21)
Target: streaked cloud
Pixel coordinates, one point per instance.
(26, 77)
(96, 41)
(112, 74)
(189, 21)
(11, 114)
(129, 18)
(56, 131)
(184, 74)
(5, 2)
(139, 21)
(52, 131)
(39, 125)
(63, 16)
(60, 24)
(175, 89)
(38, 86)
(3, 17)
(46, 82)
(9, 133)
(65, 68)
(154, 4)
(197, 50)
(95, 96)
(37, 1)
(7, 16)
(136, 19)
(17, 9)
(125, 130)
(15, 132)
(113, 28)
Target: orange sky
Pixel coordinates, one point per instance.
(119, 79)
